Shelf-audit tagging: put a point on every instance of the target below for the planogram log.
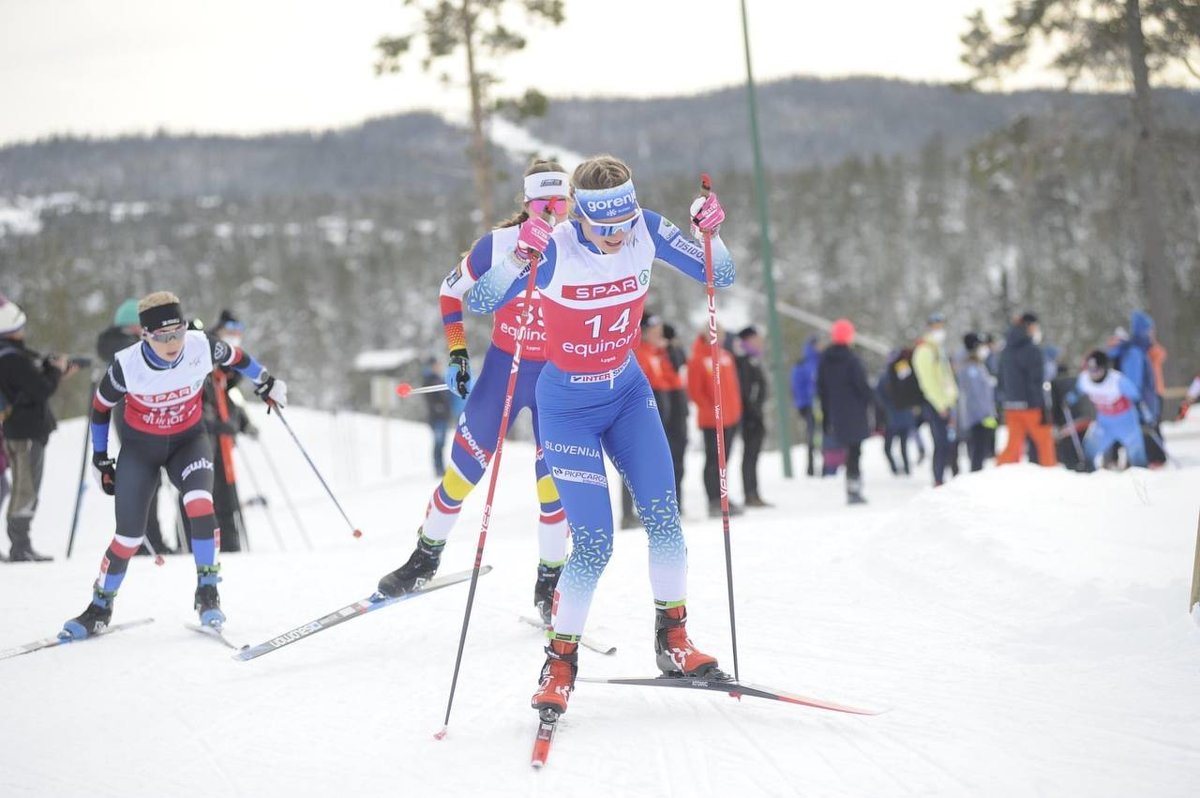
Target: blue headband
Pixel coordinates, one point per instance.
(598, 205)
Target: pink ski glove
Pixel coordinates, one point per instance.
(534, 237)
(707, 215)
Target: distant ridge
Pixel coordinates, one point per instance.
(806, 123)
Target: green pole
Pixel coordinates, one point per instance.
(774, 335)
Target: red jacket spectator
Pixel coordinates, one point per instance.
(656, 365)
(700, 385)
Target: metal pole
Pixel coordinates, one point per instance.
(1196, 573)
(783, 418)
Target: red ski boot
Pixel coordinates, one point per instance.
(676, 654)
(558, 676)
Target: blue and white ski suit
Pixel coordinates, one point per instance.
(1117, 402)
(593, 398)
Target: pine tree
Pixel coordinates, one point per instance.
(476, 29)
(1116, 41)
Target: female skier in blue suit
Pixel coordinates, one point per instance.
(593, 275)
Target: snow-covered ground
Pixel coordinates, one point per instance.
(1025, 629)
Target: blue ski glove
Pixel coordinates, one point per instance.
(458, 373)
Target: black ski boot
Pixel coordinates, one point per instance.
(93, 620)
(543, 589)
(854, 492)
(208, 600)
(419, 569)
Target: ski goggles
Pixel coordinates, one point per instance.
(167, 336)
(599, 207)
(606, 230)
(551, 205)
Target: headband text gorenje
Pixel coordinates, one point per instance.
(600, 205)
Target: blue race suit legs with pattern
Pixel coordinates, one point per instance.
(580, 421)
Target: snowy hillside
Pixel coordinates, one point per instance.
(1025, 629)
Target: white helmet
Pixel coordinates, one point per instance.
(12, 318)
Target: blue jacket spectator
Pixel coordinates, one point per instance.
(804, 375)
(1131, 359)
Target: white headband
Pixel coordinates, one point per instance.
(547, 184)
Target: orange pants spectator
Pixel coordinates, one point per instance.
(1027, 422)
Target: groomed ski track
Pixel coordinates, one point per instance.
(1025, 629)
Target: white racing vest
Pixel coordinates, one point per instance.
(166, 401)
(593, 303)
(1106, 395)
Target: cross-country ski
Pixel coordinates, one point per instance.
(62, 639)
(216, 633)
(357, 609)
(731, 687)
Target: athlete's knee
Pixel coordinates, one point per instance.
(593, 546)
(125, 546)
(197, 503)
(455, 485)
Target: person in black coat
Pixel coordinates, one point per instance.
(753, 382)
(676, 422)
(439, 414)
(1022, 376)
(845, 396)
(27, 381)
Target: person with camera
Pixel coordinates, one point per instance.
(27, 381)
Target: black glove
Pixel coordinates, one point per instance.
(458, 373)
(222, 427)
(272, 391)
(105, 470)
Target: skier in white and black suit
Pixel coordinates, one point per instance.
(162, 379)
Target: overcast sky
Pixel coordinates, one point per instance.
(245, 66)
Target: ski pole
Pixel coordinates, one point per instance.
(706, 190)
(522, 331)
(404, 390)
(1075, 436)
(266, 506)
(353, 529)
(286, 496)
(158, 558)
(87, 430)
